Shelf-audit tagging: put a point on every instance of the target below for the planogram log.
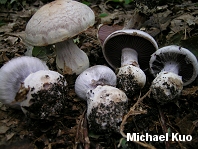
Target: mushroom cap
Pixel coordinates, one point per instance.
(92, 77)
(46, 94)
(187, 62)
(12, 75)
(57, 21)
(106, 106)
(143, 43)
(105, 30)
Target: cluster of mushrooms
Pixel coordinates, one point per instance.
(28, 84)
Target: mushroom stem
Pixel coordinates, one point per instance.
(69, 58)
(130, 77)
(171, 67)
(129, 57)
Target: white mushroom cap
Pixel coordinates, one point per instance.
(46, 94)
(130, 79)
(175, 59)
(106, 106)
(92, 77)
(12, 75)
(58, 21)
(166, 87)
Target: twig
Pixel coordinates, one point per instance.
(82, 133)
(133, 111)
(181, 146)
(85, 133)
(164, 128)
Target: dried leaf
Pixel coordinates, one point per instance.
(7, 28)
(4, 129)
(9, 136)
(11, 40)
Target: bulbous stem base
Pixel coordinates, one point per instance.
(166, 87)
(130, 79)
(106, 106)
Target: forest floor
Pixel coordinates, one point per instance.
(169, 22)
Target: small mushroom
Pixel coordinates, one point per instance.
(56, 23)
(12, 75)
(46, 96)
(174, 67)
(130, 51)
(92, 77)
(106, 104)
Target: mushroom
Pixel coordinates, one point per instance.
(56, 23)
(174, 67)
(12, 75)
(46, 96)
(129, 50)
(105, 30)
(90, 78)
(106, 104)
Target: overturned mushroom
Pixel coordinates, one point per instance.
(12, 75)
(92, 77)
(129, 50)
(173, 67)
(56, 23)
(105, 30)
(106, 104)
(46, 96)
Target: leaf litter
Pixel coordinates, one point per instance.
(170, 22)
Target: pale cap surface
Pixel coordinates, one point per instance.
(58, 21)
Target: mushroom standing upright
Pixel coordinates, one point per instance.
(56, 23)
(12, 75)
(174, 67)
(130, 51)
(106, 105)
